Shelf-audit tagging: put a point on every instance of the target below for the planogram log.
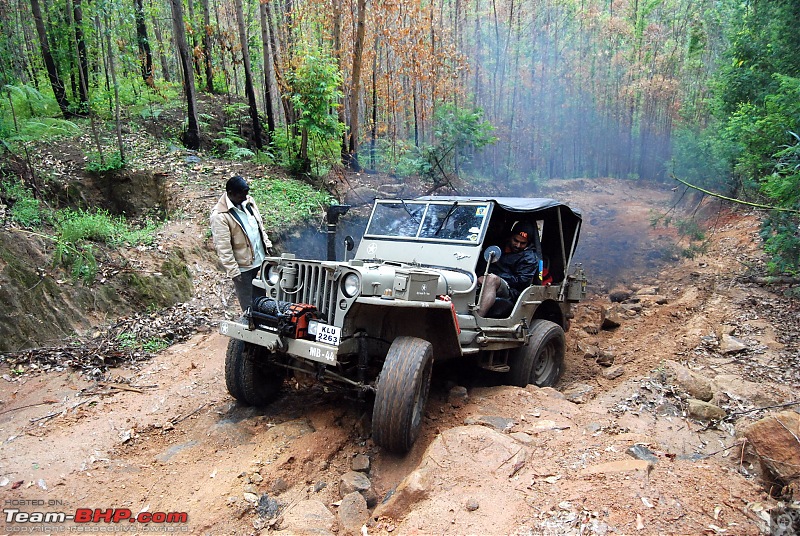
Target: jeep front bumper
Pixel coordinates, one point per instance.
(311, 350)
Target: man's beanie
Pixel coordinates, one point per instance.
(526, 229)
(237, 184)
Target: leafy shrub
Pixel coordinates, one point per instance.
(77, 228)
(289, 202)
(110, 162)
(233, 145)
(25, 209)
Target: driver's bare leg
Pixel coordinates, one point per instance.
(491, 284)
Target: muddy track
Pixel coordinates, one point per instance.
(165, 436)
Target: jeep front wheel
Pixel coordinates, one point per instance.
(541, 361)
(249, 379)
(402, 392)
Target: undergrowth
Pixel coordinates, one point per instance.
(76, 233)
(286, 202)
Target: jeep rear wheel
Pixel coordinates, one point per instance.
(541, 361)
(402, 392)
(249, 379)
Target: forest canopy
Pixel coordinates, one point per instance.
(503, 91)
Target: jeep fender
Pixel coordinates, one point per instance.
(433, 321)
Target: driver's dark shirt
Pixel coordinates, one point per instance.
(518, 269)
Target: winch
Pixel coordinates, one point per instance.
(285, 318)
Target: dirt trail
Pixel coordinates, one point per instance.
(164, 435)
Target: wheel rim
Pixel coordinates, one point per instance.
(544, 365)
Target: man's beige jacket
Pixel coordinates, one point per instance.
(230, 239)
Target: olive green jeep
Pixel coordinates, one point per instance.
(375, 324)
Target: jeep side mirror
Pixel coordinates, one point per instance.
(492, 254)
(349, 244)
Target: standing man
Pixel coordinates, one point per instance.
(515, 270)
(239, 237)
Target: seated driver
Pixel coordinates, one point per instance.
(515, 270)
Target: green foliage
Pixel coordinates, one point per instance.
(76, 229)
(27, 115)
(24, 208)
(702, 158)
(459, 133)
(314, 92)
(781, 230)
(232, 145)
(129, 341)
(400, 157)
(287, 202)
(107, 162)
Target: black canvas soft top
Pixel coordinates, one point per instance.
(511, 204)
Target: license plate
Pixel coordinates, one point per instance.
(328, 334)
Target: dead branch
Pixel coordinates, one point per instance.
(734, 200)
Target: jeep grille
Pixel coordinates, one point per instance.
(315, 285)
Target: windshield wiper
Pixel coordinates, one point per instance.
(412, 214)
(446, 217)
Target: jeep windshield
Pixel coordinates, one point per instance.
(426, 221)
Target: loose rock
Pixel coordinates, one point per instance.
(353, 513)
(775, 440)
(360, 463)
(353, 481)
(705, 411)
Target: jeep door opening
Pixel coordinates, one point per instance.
(376, 324)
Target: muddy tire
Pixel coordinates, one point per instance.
(249, 379)
(541, 361)
(402, 393)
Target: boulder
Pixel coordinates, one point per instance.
(729, 344)
(578, 393)
(605, 359)
(612, 373)
(360, 463)
(775, 440)
(704, 411)
(696, 385)
(353, 513)
(354, 481)
(612, 317)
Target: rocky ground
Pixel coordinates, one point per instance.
(669, 364)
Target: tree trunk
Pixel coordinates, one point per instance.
(265, 31)
(116, 91)
(83, 61)
(288, 109)
(191, 137)
(355, 84)
(248, 76)
(337, 47)
(207, 33)
(145, 55)
(162, 56)
(52, 71)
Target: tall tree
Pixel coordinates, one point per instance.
(191, 137)
(248, 76)
(208, 31)
(145, 55)
(265, 31)
(355, 84)
(52, 70)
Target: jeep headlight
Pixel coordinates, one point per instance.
(351, 285)
(274, 274)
